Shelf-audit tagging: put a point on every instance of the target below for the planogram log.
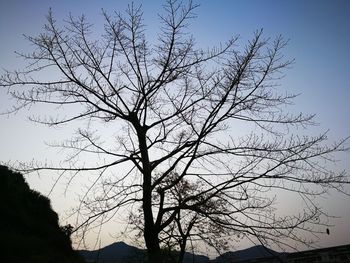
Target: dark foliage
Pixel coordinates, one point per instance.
(29, 227)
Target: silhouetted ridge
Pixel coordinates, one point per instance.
(29, 227)
(246, 254)
(250, 255)
(122, 253)
(118, 252)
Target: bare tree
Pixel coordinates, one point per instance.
(179, 162)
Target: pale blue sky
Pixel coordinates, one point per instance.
(319, 33)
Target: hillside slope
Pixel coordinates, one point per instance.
(29, 227)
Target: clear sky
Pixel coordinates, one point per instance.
(319, 34)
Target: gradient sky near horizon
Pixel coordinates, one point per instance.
(319, 41)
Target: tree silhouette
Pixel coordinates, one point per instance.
(201, 136)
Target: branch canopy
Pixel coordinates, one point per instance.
(202, 136)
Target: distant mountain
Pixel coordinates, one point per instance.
(115, 253)
(122, 253)
(246, 254)
(189, 258)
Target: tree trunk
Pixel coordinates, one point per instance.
(150, 232)
(153, 250)
(181, 255)
(182, 250)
